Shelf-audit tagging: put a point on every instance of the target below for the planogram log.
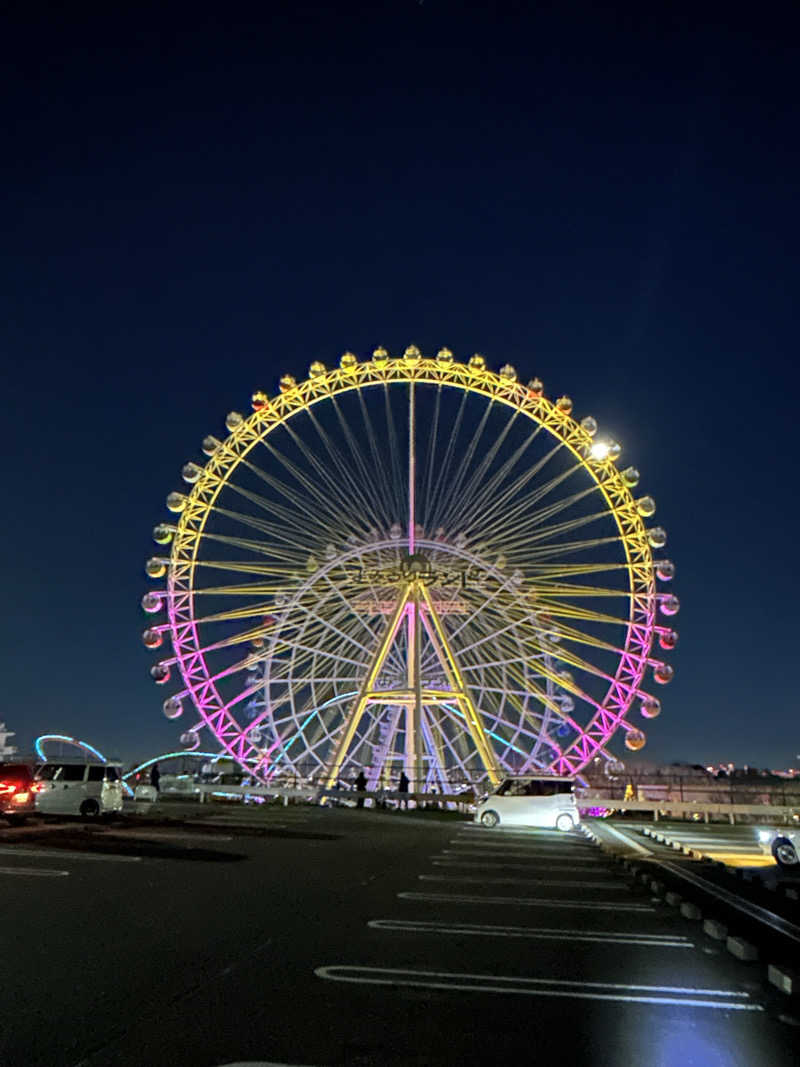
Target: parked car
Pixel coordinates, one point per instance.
(541, 800)
(16, 790)
(87, 789)
(784, 845)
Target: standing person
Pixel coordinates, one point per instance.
(361, 785)
(403, 788)
(155, 776)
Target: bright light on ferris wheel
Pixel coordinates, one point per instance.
(600, 450)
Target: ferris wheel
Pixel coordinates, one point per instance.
(410, 564)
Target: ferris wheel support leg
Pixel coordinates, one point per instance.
(414, 737)
(350, 724)
(438, 639)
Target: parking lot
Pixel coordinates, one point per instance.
(314, 937)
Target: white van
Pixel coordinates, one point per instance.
(87, 789)
(533, 800)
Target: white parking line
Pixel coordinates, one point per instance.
(465, 879)
(589, 858)
(531, 902)
(545, 846)
(36, 872)
(136, 835)
(686, 996)
(537, 933)
(64, 854)
(499, 865)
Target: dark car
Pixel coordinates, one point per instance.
(16, 790)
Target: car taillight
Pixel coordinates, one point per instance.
(37, 787)
(20, 798)
(7, 787)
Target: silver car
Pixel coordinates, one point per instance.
(784, 844)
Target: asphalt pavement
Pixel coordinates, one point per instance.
(344, 937)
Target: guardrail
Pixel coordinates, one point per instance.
(658, 808)
(317, 792)
(694, 807)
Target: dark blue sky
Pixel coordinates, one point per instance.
(195, 203)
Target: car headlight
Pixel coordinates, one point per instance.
(764, 836)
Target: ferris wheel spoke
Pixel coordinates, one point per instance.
(252, 589)
(399, 477)
(444, 468)
(348, 607)
(479, 476)
(362, 493)
(382, 482)
(525, 554)
(260, 548)
(329, 626)
(556, 609)
(500, 498)
(454, 485)
(366, 477)
(426, 486)
(496, 491)
(513, 526)
(550, 590)
(510, 509)
(330, 494)
(552, 571)
(299, 503)
(275, 532)
(535, 536)
(299, 523)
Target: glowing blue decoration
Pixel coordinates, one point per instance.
(307, 720)
(40, 741)
(171, 755)
(497, 737)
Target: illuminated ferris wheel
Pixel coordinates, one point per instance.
(410, 564)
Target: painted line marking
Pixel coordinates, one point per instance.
(537, 933)
(593, 859)
(135, 835)
(498, 832)
(635, 845)
(65, 854)
(531, 902)
(612, 883)
(498, 865)
(42, 872)
(542, 987)
(581, 845)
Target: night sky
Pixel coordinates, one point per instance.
(194, 203)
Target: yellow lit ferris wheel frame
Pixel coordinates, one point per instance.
(412, 367)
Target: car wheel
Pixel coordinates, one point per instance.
(490, 818)
(784, 852)
(565, 822)
(90, 809)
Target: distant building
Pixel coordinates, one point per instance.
(6, 750)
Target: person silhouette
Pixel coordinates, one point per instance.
(361, 785)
